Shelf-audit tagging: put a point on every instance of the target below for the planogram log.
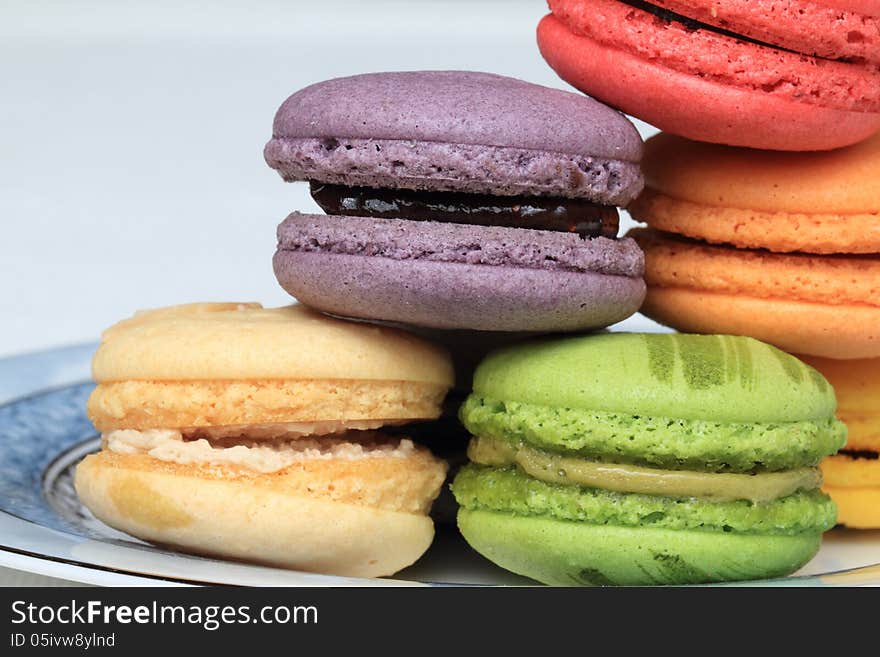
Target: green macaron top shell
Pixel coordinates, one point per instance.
(726, 379)
(673, 443)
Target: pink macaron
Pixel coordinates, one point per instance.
(741, 72)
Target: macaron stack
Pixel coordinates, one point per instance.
(461, 204)
(780, 246)
(784, 247)
(455, 200)
(469, 207)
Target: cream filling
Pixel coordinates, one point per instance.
(260, 456)
(623, 478)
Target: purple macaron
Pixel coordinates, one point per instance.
(459, 200)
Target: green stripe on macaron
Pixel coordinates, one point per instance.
(727, 379)
(667, 442)
(508, 490)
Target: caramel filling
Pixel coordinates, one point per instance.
(558, 469)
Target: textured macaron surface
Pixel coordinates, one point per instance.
(706, 404)
(719, 378)
(843, 331)
(707, 85)
(577, 553)
(448, 275)
(220, 341)
(844, 181)
(456, 131)
(709, 403)
(261, 518)
(826, 202)
(406, 480)
(835, 280)
(830, 29)
(509, 490)
(782, 232)
(656, 441)
(722, 58)
(459, 107)
(399, 239)
(808, 304)
(454, 295)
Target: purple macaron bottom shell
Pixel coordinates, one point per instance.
(452, 295)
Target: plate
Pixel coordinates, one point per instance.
(44, 529)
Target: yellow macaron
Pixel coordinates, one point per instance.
(852, 477)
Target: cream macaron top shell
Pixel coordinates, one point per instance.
(226, 341)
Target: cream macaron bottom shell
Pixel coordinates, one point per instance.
(360, 518)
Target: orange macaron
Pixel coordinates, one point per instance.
(818, 305)
(777, 246)
(820, 202)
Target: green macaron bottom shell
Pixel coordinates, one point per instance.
(564, 553)
(672, 443)
(571, 535)
(509, 490)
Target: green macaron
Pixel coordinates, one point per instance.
(647, 459)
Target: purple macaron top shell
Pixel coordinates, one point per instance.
(461, 107)
(456, 131)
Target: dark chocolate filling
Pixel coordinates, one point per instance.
(860, 454)
(556, 214)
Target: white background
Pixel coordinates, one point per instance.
(131, 136)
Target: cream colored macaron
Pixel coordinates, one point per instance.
(244, 432)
